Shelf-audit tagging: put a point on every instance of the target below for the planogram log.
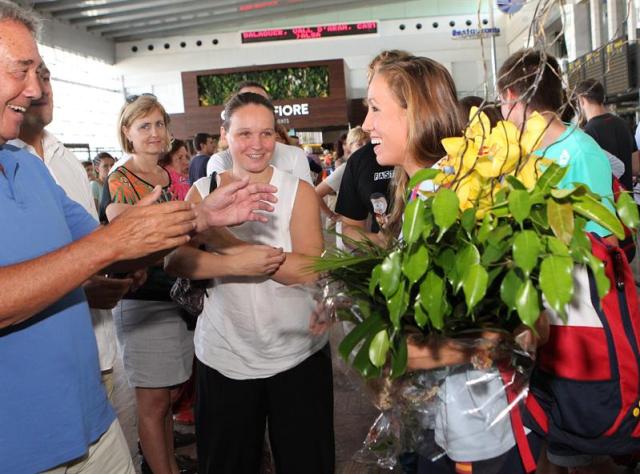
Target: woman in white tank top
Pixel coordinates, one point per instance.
(257, 359)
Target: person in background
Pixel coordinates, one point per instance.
(88, 169)
(530, 81)
(157, 347)
(608, 130)
(288, 158)
(102, 163)
(176, 163)
(281, 134)
(205, 146)
(339, 153)
(491, 110)
(354, 140)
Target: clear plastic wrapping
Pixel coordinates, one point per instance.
(460, 410)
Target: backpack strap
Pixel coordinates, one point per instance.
(517, 426)
(213, 184)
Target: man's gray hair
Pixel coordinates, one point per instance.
(9, 11)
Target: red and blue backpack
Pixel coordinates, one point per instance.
(585, 390)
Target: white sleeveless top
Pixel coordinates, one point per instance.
(254, 327)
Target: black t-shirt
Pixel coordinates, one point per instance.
(614, 135)
(365, 183)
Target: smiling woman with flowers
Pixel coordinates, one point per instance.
(486, 233)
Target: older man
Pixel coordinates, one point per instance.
(55, 415)
(102, 293)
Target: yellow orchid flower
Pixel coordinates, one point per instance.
(503, 151)
(468, 189)
(479, 124)
(532, 170)
(462, 152)
(534, 130)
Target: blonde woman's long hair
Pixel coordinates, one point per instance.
(426, 90)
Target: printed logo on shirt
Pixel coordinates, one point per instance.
(380, 175)
(564, 158)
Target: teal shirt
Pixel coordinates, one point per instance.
(587, 165)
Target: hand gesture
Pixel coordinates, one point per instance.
(103, 292)
(255, 260)
(148, 227)
(235, 203)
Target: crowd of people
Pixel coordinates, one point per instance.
(242, 217)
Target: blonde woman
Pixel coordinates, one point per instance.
(356, 139)
(157, 347)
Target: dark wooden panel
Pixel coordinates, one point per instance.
(323, 112)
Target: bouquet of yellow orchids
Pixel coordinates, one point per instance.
(491, 239)
(484, 156)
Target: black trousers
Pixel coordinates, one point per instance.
(298, 404)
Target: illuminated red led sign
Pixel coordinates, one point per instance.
(310, 32)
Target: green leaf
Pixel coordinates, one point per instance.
(447, 261)
(528, 303)
(432, 298)
(526, 249)
(366, 328)
(539, 217)
(419, 314)
(501, 196)
(580, 244)
(445, 209)
(519, 205)
(509, 287)
(378, 348)
(362, 363)
(597, 268)
(551, 177)
(375, 279)
(397, 305)
(416, 263)
(399, 358)
(468, 256)
(413, 223)
(515, 183)
(579, 190)
(485, 228)
(493, 253)
(595, 211)
(423, 175)
(493, 274)
(474, 285)
(560, 217)
(468, 219)
(499, 234)
(390, 271)
(556, 282)
(628, 210)
(557, 247)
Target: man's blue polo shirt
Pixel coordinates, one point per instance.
(52, 403)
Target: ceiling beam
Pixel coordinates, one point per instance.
(140, 31)
(170, 9)
(148, 6)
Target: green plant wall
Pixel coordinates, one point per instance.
(282, 84)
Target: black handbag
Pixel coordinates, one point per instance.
(188, 293)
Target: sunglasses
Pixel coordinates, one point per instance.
(132, 98)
